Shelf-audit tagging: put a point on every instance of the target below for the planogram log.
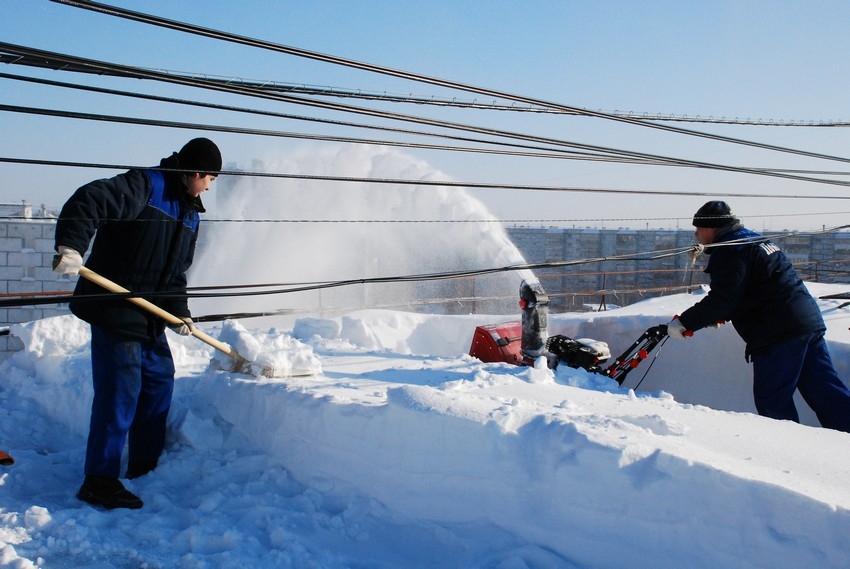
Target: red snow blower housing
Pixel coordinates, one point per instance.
(501, 343)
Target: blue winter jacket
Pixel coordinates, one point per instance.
(145, 227)
(754, 285)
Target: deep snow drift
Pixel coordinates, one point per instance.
(405, 452)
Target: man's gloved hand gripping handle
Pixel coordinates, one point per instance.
(67, 262)
(184, 329)
(676, 330)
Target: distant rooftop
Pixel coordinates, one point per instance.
(24, 210)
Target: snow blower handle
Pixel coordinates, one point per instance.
(636, 353)
(157, 311)
(679, 332)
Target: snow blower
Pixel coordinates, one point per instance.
(271, 367)
(521, 343)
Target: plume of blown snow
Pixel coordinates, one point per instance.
(326, 232)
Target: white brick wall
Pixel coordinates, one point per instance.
(26, 255)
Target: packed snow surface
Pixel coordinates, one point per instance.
(403, 451)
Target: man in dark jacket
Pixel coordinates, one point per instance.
(754, 286)
(145, 227)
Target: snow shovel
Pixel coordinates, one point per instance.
(240, 364)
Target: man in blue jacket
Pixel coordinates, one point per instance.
(145, 227)
(754, 286)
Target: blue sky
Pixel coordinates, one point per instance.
(777, 61)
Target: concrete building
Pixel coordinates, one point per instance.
(603, 274)
(604, 269)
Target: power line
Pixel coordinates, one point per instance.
(431, 183)
(554, 152)
(621, 290)
(186, 27)
(550, 153)
(40, 58)
(289, 288)
(261, 112)
(331, 91)
(494, 105)
(65, 62)
(519, 223)
(265, 289)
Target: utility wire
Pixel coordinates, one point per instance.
(551, 153)
(425, 101)
(575, 155)
(595, 223)
(432, 183)
(494, 105)
(34, 299)
(554, 152)
(288, 288)
(61, 297)
(22, 55)
(186, 27)
(40, 58)
(592, 223)
(60, 61)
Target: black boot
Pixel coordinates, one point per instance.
(139, 468)
(108, 493)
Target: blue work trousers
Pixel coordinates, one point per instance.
(800, 363)
(133, 385)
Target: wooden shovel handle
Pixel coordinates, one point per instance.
(156, 310)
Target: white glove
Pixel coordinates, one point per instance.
(184, 329)
(67, 262)
(677, 331)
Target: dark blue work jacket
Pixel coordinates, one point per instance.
(754, 286)
(145, 227)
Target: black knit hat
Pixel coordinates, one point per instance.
(200, 155)
(714, 214)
